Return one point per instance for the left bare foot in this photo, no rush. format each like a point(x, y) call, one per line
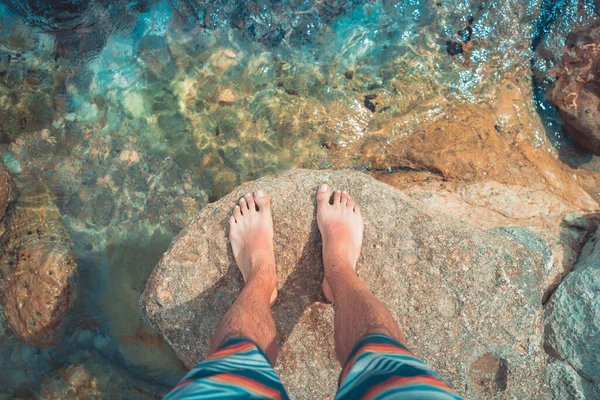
point(251, 238)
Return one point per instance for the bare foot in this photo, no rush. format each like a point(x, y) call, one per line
point(341, 227)
point(251, 238)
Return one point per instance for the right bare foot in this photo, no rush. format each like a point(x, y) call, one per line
point(341, 227)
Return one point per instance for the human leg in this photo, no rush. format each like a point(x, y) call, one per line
point(376, 364)
point(251, 238)
point(243, 348)
point(358, 312)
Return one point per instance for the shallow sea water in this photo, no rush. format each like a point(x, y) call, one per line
point(135, 115)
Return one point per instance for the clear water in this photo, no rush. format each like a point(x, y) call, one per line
point(135, 115)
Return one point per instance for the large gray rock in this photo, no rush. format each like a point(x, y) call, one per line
point(468, 301)
point(572, 328)
point(564, 382)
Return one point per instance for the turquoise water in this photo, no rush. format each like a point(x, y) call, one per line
point(135, 115)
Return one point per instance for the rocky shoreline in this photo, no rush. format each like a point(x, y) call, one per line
point(116, 134)
point(485, 166)
point(196, 280)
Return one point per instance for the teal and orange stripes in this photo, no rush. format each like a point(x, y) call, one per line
point(237, 370)
point(384, 348)
point(236, 348)
point(378, 368)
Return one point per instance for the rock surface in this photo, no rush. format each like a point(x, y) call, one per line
point(576, 93)
point(572, 328)
point(37, 268)
point(546, 222)
point(468, 301)
point(480, 166)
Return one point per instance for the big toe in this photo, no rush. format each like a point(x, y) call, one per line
point(262, 200)
point(323, 194)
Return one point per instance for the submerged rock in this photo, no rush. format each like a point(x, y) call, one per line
point(461, 295)
point(576, 93)
point(95, 377)
point(572, 328)
point(266, 22)
point(37, 268)
point(5, 191)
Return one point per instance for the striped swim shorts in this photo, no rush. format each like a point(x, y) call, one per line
point(379, 367)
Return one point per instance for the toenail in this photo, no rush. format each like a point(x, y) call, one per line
point(248, 195)
point(242, 199)
point(323, 188)
point(345, 192)
point(260, 193)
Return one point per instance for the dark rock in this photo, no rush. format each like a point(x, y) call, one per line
point(489, 374)
point(369, 104)
point(5, 191)
point(576, 93)
point(69, 15)
point(269, 22)
point(453, 48)
point(465, 34)
point(104, 208)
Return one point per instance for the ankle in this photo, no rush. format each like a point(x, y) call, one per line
point(342, 281)
point(261, 259)
point(262, 282)
point(338, 267)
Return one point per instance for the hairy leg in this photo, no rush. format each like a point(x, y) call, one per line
point(251, 237)
point(357, 311)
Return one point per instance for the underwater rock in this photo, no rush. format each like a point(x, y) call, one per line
point(37, 267)
point(576, 93)
point(453, 48)
point(94, 377)
point(5, 191)
point(458, 292)
point(131, 253)
point(51, 14)
point(266, 22)
point(70, 15)
point(572, 325)
point(223, 59)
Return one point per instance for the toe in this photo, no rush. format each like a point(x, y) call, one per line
point(232, 221)
point(344, 199)
point(337, 196)
point(323, 194)
point(243, 205)
point(237, 213)
point(350, 202)
point(262, 200)
point(250, 201)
